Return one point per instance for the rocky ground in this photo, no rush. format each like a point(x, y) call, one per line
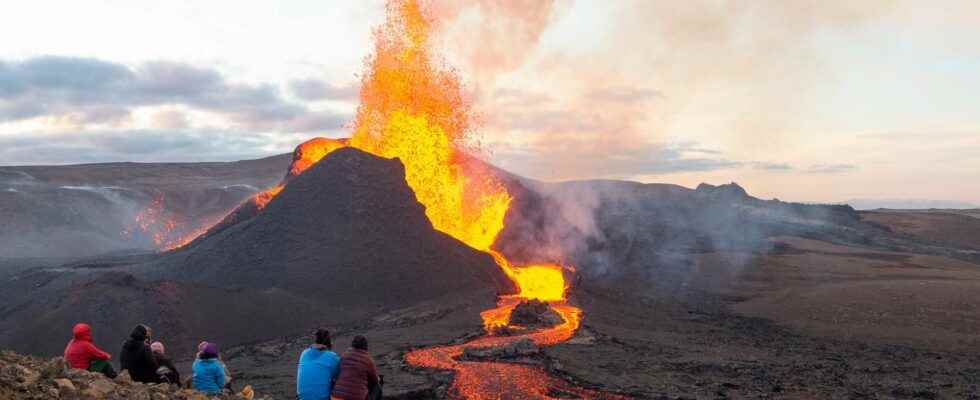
point(24, 377)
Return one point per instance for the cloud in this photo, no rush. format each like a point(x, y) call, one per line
point(654, 159)
point(624, 94)
point(492, 36)
point(770, 166)
point(143, 145)
point(88, 91)
point(170, 119)
point(315, 89)
point(830, 168)
point(639, 74)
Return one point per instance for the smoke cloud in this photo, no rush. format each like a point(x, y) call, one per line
point(655, 71)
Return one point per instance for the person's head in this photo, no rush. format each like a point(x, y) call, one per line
point(210, 351)
point(157, 347)
point(322, 337)
point(140, 333)
point(82, 331)
point(359, 342)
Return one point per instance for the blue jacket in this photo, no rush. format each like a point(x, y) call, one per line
point(316, 373)
point(209, 376)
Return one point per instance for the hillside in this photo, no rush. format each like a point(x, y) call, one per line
point(277, 273)
point(90, 209)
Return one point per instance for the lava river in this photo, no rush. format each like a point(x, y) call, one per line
point(500, 380)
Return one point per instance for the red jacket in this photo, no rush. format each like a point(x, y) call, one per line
point(357, 372)
point(80, 350)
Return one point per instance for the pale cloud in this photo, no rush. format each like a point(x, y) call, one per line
point(145, 145)
point(830, 168)
point(315, 89)
point(83, 91)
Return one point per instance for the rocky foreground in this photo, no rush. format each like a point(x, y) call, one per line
point(25, 377)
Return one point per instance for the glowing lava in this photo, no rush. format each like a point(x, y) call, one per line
point(162, 227)
point(305, 155)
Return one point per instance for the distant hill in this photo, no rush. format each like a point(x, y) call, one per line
point(90, 209)
point(908, 204)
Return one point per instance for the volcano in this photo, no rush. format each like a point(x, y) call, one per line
point(348, 226)
point(344, 240)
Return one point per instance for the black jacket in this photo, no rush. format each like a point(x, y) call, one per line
point(137, 358)
point(165, 364)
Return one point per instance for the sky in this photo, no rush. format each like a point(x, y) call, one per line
point(801, 100)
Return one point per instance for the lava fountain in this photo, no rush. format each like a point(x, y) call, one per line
point(413, 108)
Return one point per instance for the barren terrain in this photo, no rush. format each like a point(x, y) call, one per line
point(686, 293)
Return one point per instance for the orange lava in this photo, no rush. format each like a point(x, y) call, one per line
point(305, 155)
point(310, 152)
point(161, 226)
point(500, 380)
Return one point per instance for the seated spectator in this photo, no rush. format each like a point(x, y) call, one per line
point(81, 353)
point(209, 375)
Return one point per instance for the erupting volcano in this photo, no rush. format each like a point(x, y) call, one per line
point(413, 109)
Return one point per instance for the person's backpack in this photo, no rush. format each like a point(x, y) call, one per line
point(165, 375)
point(375, 392)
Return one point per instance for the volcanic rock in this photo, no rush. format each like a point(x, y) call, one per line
point(730, 191)
point(24, 377)
point(518, 348)
point(534, 313)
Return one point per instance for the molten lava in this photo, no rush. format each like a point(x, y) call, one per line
point(161, 226)
point(305, 155)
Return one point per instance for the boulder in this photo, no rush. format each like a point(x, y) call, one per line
point(534, 313)
point(518, 348)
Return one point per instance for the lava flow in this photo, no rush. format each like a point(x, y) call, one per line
point(412, 109)
point(162, 227)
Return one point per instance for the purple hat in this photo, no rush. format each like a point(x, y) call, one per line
point(210, 349)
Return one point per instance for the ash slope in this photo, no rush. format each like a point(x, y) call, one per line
point(84, 210)
point(343, 242)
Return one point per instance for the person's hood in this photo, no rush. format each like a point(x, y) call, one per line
point(82, 332)
point(211, 350)
point(139, 333)
point(137, 338)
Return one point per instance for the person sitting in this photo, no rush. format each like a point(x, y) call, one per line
point(224, 368)
point(318, 368)
point(81, 353)
point(209, 376)
point(167, 371)
point(136, 356)
point(358, 375)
